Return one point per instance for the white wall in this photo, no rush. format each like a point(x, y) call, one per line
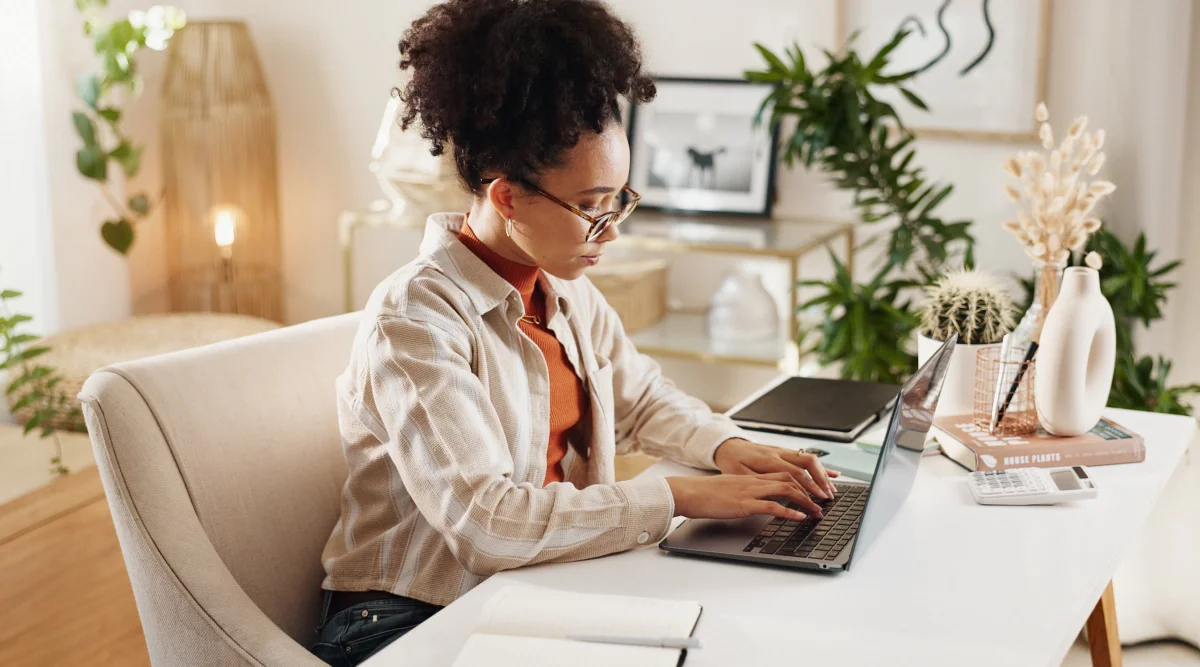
point(26, 261)
point(1185, 315)
point(330, 66)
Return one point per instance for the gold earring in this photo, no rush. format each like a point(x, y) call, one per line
point(508, 227)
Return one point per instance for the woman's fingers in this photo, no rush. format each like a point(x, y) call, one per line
point(812, 465)
point(792, 491)
point(772, 508)
point(805, 480)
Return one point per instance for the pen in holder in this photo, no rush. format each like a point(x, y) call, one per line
point(1004, 392)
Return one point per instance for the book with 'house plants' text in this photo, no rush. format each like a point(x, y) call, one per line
point(974, 448)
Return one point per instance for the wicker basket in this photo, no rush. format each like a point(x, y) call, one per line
point(636, 289)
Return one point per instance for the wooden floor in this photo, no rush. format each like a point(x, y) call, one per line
point(64, 595)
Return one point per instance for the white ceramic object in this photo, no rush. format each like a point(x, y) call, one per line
point(742, 310)
point(416, 183)
point(1076, 355)
point(958, 389)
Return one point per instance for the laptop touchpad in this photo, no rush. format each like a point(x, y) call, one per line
point(720, 534)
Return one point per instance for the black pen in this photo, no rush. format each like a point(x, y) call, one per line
point(1033, 348)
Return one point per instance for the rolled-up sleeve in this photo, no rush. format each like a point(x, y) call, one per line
point(653, 414)
point(447, 440)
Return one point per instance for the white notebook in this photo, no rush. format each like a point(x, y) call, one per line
point(527, 626)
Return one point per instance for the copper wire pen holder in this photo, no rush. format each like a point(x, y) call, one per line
point(1004, 388)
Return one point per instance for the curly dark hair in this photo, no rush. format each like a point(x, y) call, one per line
point(511, 84)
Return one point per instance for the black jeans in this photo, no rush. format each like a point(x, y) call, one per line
point(358, 632)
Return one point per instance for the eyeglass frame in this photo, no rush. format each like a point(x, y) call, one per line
point(599, 223)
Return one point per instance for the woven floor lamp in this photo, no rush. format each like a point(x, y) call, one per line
point(220, 174)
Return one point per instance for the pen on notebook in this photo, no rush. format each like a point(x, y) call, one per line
point(663, 642)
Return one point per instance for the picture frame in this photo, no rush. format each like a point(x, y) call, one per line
point(694, 148)
point(1002, 46)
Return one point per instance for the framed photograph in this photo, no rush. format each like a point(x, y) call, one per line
point(983, 62)
point(695, 148)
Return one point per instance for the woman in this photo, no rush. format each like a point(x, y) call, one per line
point(490, 385)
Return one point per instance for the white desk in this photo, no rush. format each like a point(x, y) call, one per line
point(948, 582)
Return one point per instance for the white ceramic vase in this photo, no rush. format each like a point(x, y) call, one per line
point(742, 310)
point(1076, 355)
point(958, 389)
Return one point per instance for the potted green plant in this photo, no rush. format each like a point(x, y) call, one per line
point(837, 124)
point(976, 308)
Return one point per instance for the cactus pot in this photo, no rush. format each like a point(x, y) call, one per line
point(958, 391)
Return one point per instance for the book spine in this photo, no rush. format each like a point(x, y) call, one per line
point(1052, 456)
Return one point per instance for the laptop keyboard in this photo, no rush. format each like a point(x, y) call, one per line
point(822, 539)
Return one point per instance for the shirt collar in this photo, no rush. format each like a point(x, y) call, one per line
point(483, 286)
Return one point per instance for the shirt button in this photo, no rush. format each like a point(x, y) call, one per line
point(644, 537)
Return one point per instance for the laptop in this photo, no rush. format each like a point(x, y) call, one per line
point(858, 512)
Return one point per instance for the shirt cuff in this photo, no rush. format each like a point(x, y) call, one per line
point(702, 446)
point(651, 508)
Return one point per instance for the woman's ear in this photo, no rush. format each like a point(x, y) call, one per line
point(501, 193)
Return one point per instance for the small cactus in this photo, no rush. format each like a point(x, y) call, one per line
point(968, 303)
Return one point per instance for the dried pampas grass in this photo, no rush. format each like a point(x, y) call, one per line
point(1054, 192)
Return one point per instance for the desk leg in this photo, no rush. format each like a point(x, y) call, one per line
point(1102, 632)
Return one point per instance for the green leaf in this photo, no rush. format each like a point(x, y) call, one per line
point(139, 204)
point(772, 59)
point(92, 162)
point(84, 127)
point(932, 203)
point(913, 99)
point(110, 114)
point(34, 422)
point(117, 66)
point(24, 355)
point(763, 77)
point(118, 234)
point(9, 294)
point(128, 156)
point(22, 403)
point(21, 339)
point(896, 78)
point(88, 88)
point(880, 58)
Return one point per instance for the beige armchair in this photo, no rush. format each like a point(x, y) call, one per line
point(223, 469)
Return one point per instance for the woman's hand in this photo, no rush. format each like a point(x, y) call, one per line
point(737, 496)
point(737, 456)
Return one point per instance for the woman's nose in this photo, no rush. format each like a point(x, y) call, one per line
point(609, 234)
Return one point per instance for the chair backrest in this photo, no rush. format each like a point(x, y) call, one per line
point(223, 467)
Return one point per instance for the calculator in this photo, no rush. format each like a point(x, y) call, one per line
point(1031, 486)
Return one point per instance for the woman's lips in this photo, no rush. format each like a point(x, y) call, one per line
point(592, 260)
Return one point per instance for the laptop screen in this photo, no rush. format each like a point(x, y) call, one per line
point(896, 469)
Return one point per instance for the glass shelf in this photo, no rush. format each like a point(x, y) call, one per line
point(784, 238)
point(683, 335)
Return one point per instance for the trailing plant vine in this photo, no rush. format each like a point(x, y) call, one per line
point(98, 124)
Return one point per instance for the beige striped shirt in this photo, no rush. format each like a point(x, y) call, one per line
point(444, 413)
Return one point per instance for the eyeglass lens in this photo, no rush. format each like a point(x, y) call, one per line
point(613, 218)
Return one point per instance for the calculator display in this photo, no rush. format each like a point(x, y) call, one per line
point(1065, 480)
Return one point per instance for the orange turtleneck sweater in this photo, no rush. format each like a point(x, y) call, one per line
point(568, 401)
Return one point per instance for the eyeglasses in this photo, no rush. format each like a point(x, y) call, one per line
point(600, 223)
